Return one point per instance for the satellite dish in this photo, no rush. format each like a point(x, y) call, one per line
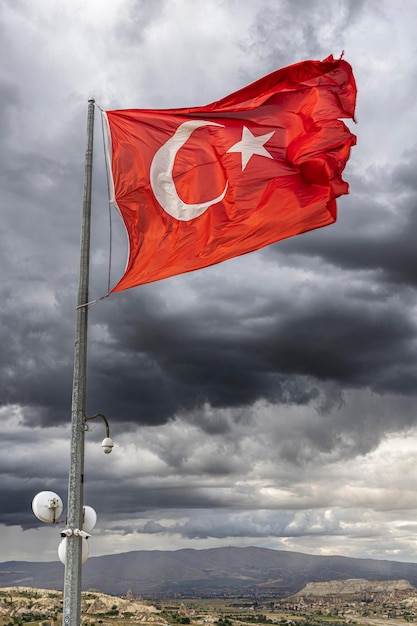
point(89, 519)
point(62, 551)
point(47, 506)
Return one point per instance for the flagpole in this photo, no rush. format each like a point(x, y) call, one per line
point(72, 582)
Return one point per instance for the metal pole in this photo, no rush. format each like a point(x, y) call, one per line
point(72, 583)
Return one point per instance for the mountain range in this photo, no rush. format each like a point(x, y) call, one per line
point(215, 572)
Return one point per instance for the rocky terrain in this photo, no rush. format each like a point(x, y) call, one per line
point(18, 603)
point(354, 586)
point(358, 602)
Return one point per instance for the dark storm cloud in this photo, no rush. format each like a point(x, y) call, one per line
point(35, 369)
point(40, 236)
point(155, 363)
point(14, 501)
point(261, 384)
point(379, 220)
point(168, 362)
point(299, 37)
point(9, 98)
point(16, 498)
point(30, 462)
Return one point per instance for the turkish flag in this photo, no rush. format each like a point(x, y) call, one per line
point(201, 185)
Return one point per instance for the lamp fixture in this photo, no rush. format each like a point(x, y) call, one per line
point(107, 443)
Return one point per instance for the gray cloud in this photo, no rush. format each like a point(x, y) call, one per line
point(258, 400)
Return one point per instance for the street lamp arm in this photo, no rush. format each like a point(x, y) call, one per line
point(107, 443)
point(103, 417)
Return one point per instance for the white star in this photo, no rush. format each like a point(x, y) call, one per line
point(250, 145)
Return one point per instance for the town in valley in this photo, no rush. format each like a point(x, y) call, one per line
point(354, 601)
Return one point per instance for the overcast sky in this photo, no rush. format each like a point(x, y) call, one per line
point(269, 400)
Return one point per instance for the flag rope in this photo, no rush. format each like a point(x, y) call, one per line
point(109, 202)
point(92, 302)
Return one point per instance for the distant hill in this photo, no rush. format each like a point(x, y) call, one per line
point(216, 572)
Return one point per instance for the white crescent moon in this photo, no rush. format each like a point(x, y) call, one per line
point(162, 183)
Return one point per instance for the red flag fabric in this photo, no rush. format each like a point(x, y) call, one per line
point(197, 186)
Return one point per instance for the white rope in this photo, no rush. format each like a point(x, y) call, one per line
point(92, 302)
point(109, 202)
